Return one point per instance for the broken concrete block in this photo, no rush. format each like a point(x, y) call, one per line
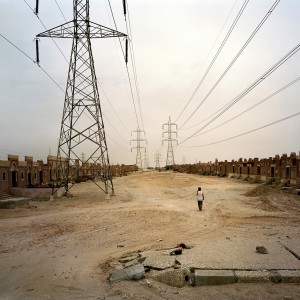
point(177, 277)
point(275, 276)
point(213, 277)
point(289, 276)
point(135, 272)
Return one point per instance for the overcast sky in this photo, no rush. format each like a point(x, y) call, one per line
point(174, 43)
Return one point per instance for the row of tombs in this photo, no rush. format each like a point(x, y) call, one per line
point(280, 168)
point(15, 173)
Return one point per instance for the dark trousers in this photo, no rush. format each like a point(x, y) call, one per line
point(200, 204)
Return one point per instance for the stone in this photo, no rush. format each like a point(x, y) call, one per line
point(261, 250)
point(184, 246)
point(176, 251)
point(135, 272)
point(213, 277)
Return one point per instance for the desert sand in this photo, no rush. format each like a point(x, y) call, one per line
point(66, 249)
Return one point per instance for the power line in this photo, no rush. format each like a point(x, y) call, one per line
point(33, 62)
point(253, 106)
point(235, 58)
point(216, 55)
point(60, 10)
point(249, 88)
point(130, 84)
point(211, 48)
point(247, 132)
point(134, 64)
point(46, 29)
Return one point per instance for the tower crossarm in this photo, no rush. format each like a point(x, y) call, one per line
point(83, 29)
point(170, 132)
point(170, 140)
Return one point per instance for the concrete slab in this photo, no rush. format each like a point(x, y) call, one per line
point(238, 255)
point(157, 260)
point(252, 276)
point(214, 277)
point(293, 245)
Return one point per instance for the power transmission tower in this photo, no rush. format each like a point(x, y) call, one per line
point(138, 141)
point(82, 127)
point(157, 160)
point(145, 159)
point(170, 133)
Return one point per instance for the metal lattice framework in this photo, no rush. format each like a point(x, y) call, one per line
point(138, 141)
point(170, 133)
point(82, 127)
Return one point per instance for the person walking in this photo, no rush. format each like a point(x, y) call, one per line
point(200, 198)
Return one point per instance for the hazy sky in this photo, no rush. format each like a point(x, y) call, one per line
point(174, 43)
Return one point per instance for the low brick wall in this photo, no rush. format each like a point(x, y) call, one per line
point(34, 193)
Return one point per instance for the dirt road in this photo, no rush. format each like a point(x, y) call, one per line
point(66, 249)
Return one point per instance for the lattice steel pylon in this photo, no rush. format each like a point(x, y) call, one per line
point(82, 127)
point(157, 160)
point(138, 141)
point(170, 140)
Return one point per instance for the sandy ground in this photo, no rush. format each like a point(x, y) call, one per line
point(67, 248)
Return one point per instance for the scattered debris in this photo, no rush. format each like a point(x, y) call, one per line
point(135, 272)
point(261, 250)
point(184, 246)
point(177, 251)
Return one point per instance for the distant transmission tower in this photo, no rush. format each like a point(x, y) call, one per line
point(82, 127)
point(170, 133)
point(157, 160)
point(138, 141)
point(145, 159)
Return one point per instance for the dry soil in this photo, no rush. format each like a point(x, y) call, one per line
point(67, 248)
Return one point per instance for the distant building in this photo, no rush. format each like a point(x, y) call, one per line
point(29, 173)
point(280, 168)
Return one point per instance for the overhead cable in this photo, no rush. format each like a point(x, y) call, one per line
point(247, 132)
point(213, 45)
point(128, 26)
point(60, 10)
point(130, 84)
point(250, 88)
point(216, 55)
point(33, 62)
point(253, 106)
point(234, 59)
